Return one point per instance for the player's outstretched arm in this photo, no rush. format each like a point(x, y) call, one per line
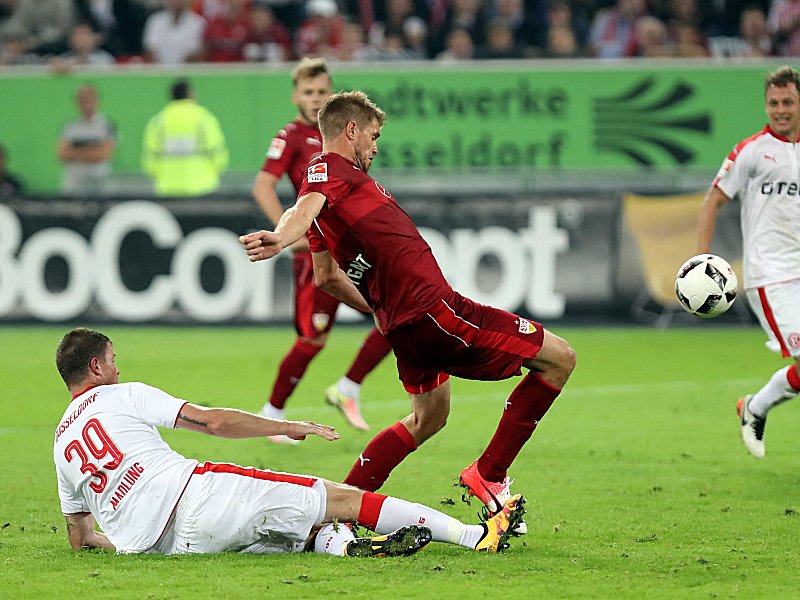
point(232, 423)
point(293, 225)
point(82, 534)
point(707, 218)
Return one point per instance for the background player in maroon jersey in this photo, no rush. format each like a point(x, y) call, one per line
point(368, 253)
point(315, 310)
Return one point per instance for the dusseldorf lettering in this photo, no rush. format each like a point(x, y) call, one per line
point(523, 276)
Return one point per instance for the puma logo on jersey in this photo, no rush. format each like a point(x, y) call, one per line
point(771, 157)
point(313, 141)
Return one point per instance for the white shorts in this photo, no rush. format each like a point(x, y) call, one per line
point(777, 307)
point(228, 508)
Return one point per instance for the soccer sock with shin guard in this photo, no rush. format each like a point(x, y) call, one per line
point(782, 386)
point(524, 408)
point(291, 370)
point(382, 454)
point(385, 514)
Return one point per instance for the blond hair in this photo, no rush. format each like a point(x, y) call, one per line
point(308, 68)
point(343, 107)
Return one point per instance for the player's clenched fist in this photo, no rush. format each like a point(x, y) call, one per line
point(261, 245)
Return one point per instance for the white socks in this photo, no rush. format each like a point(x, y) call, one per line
point(271, 412)
point(776, 391)
point(332, 539)
point(348, 387)
point(396, 513)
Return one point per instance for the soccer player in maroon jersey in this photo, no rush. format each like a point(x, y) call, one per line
point(315, 310)
point(367, 252)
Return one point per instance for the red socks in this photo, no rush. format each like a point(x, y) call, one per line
point(793, 378)
point(382, 454)
point(370, 510)
point(373, 350)
point(291, 370)
point(525, 407)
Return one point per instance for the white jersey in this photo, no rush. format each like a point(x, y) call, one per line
point(111, 461)
point(764, 171)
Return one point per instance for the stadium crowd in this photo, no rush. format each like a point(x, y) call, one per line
point(69, 33)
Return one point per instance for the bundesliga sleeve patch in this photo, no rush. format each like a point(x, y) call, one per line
point(318, 173)
point(276, 148)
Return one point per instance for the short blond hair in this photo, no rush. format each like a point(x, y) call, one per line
point(343, 107)
point(308, 68)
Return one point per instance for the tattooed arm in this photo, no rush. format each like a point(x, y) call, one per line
point(82, 534)
point(231, 423)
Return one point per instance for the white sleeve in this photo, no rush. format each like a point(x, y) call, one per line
point(733, 175)
point(154, 406)
point(71, 501)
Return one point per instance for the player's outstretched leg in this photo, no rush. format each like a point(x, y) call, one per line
point(387, 515)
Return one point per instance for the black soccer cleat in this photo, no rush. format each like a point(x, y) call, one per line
point(403, 542)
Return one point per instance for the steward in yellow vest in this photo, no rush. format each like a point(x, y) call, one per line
point(184, 149)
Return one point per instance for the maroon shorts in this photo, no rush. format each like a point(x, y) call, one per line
point(465, 339)
point(314, 310)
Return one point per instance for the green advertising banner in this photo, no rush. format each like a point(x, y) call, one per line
point(631, 116)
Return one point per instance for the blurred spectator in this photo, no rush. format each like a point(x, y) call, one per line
point(226, 34)
point(85, 147)
point(613, 29)
point(690, 42)
point(14, 51)
point(353, 48)
point(41, 25)
point(119, 23)
point(784, 21)
point(289, 12)
point(82, 51)
point(174, 35)
point(393, 48)
point(560, 16)
point(755, 39)
point(10, 184)
point(321, 33)
point(396, 13)
point(268, 40)
point(500, 42)
point(727, 15)
point(561, 43)
point(468, 16)
point(525, 23)
point(458, 46)
point(651, 39)
point(184, 150)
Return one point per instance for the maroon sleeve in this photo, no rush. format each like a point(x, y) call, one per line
point(316, 243)
point(279, 155)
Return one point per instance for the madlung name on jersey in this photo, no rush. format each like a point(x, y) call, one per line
point(130, 478)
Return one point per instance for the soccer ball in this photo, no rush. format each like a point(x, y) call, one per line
point(706, 285)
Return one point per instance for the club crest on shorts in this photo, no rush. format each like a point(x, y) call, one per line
point(318, 173)
point(320, 321)
point(525, 326)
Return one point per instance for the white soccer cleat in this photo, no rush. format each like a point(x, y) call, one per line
point(752, 427)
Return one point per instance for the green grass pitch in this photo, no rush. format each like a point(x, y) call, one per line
point(637, 483)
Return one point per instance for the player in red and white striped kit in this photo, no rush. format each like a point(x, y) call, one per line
point(368, 253)
point(763, 171)
point(113, 467)
point(315, 310)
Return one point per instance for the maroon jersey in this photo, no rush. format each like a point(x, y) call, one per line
point(374, 242)
point(290, 151)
